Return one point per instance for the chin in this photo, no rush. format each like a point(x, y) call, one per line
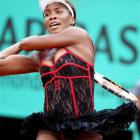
point(55, 31)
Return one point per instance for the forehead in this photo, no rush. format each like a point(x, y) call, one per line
point(54, 6)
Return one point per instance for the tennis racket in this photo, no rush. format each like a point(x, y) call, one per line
point(114, 88)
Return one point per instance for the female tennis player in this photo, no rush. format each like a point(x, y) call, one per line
point(65, 60)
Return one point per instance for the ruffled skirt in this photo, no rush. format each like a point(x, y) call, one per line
point(103, 122)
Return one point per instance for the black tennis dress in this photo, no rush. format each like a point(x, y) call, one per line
point(69, 102)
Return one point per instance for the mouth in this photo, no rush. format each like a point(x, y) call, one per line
point(54, 24)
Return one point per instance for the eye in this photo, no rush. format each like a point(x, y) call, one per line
point(59, 11)
point(46, 14)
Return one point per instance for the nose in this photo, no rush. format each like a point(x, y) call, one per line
point(52, 17)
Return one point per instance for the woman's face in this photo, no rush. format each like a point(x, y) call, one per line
point(57, 18)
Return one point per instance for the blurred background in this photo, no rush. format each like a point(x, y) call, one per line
point(114, 26)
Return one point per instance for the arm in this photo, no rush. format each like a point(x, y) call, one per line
point(19, 64)
point(68, 37)
point(14, 49)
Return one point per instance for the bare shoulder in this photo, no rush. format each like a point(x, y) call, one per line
point(76, 30)
point(80, 35)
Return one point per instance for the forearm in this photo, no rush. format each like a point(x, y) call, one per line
point(67, 37)
point(30, 43)
point(13, 49)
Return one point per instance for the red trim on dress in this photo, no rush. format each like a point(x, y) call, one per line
point(73, 97)
point(64, 65)
point(65, 77)
point(55, 61)
point(69, 52)
point(58, 85)
point(91, 89)
point(79, 57)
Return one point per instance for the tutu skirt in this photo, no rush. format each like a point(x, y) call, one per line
point(103, 122)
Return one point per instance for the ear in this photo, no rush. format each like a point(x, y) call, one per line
point(72, 21)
